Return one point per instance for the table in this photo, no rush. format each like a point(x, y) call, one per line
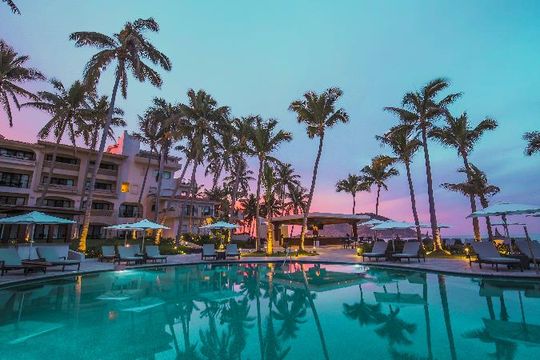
point(220, 254)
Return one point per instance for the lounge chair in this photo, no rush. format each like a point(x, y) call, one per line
point(523, 247)
point(378, 251)
point(208, 251)
point(487, 253)
point(107, 254)
point(50, 257)
point(232, 251)
point(411, 250)
point(152, 254)
point(10, 260)
point(128, 254)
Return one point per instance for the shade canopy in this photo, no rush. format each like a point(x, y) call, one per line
point(36, 217)
point(508, 224)
point(393, 225)
point(146, 225)
point(219, 225)
point(317, 218)
point(440, 226)
point(372, 222)
point(505, 208)
point(121, 227)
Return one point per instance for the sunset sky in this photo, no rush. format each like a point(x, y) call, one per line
point(257, 57)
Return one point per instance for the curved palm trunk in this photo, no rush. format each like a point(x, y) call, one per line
point(311, 191)
point(93, 148)
point(192, 194)
point(106, 127)
point(484, 202)
point(51, 167)
point(257, 208)
point(315, 314)
point(476, 224)
point(377, 202)
point(160, 181)
point(413, 200)
point(446, 313)
point(269, 233)
point(431, 198)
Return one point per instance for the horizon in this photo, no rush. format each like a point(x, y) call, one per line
point(257, 59)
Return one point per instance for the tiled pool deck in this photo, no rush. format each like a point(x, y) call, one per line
point(326, 254)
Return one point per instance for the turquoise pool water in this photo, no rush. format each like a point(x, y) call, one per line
point(269, 311)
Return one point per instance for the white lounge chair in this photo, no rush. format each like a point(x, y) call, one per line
point(10, 260)
point(49, 256)
point(107, 253)
point(411, 250)
point(523, 247)
point(128, 254)
point(378, 251)
point(153, 254)
point(487, 253)
point(208, 251)
point(232, 251)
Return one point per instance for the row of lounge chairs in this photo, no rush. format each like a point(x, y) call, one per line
point(209, 252)
point(411, 250)
point(48, 257)
point(131, 254)
point(487, 253)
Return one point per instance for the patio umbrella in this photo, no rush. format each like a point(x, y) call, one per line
point(144, 225)
point(503, 209)
point(219, 225)
point(121, 227)
point(372, 223)
point(393, 225)
point(35, 218)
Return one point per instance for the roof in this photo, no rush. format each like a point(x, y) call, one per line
point(321, 218)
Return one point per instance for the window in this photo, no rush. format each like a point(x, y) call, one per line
point(58, 203)
point(102, 206)
point(99, 185)
point(60, 181)
point(104, 165)
point(125, 187)
point(63, 159)
point(18, 154)
point(187, 212)
point(12, 200)
point(14, 180)
point(166, 175)
point(128, 210)
point(206, 211)
point(95, 231)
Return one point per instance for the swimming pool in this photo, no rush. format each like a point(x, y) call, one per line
point(270, 311)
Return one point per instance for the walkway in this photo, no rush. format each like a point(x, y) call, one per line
point(331, 254)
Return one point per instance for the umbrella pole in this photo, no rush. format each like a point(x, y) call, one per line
point(32, 227)
point(529, 243)
point(505, 224)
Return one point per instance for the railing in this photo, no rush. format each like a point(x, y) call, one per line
point(101, 212)
point(101, 171)
point(63, 188)
point(61, 165)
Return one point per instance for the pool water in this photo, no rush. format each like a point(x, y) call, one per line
point(270, 311)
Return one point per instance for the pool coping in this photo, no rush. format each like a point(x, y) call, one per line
point(408, 267)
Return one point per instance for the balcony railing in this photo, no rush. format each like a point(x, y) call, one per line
point(101, 171)
point(101, 212)
point(62, 188)
point(61, 165)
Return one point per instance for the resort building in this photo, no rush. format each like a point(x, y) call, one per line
point(23, 173)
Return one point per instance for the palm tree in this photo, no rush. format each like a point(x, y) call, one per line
point(271, 204)
point(446, 315)
point(205, 119)
point(219, 195)
point(12, 6)
point(67, 109)
point(285, 178)
point(291, 311)
point(129, 48)
point(239, 178)
point(420, 108)
point(476, 185)
point(533, 142)
point(249, 209)
point(378, 173)
point(251, 288)
point(95, 118)
point(351, 185)
point(395, 329)
point(14, 72)
point(459, 133)
point(404, 144)
point(318, 112)
point(263, 141)
point(298, 198)
point(363, 312)
point(236, 315)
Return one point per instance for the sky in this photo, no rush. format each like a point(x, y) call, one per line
point(257, 57)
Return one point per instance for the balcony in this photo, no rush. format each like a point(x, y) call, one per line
point(101, 212)
point(61, 165)
point(71, 189)
point(106, 172)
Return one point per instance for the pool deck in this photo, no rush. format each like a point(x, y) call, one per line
point(330, 254)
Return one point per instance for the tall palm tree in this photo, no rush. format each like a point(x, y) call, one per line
point(12, 6)
point(318, 112)
point(285, 178)
point(271, 203)
point(476, 185)
point(377, 173)
point(533, 142)
point(129, 49)
point(420, 108)
point(459, 134)
point(249, 209)
point(239, 178)
point(95, 118)
point(13, 73)
point(205, 119)
point(404, 143)
point(351, 185)
point(263, 141)
point(67, 109)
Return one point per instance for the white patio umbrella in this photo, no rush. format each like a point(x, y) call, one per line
point(503, 209)
point(393, 225)
point(219, 225)
point(144, 225)
point(35, 218)
point(122, 227)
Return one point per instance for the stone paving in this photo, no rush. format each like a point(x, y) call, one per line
point(326, 254)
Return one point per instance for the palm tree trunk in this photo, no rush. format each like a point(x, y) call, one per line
point(426, 317)
point(413, 200)
point(269, 233)
point(476, 225)
point(377, 202)
point(257, 208)
point(52, 166)
point(192, 194)
point(83, 194)
point(484, 202)
point(160, 181)
point(236, 186)
point(139, 201)
point(311, 191)
point(353, 203)
point(86, 221)
point(431, 198)
point(446, 313)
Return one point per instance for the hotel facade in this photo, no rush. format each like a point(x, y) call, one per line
point(23, 173)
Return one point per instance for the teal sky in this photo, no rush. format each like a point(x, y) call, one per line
point(257, 57)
